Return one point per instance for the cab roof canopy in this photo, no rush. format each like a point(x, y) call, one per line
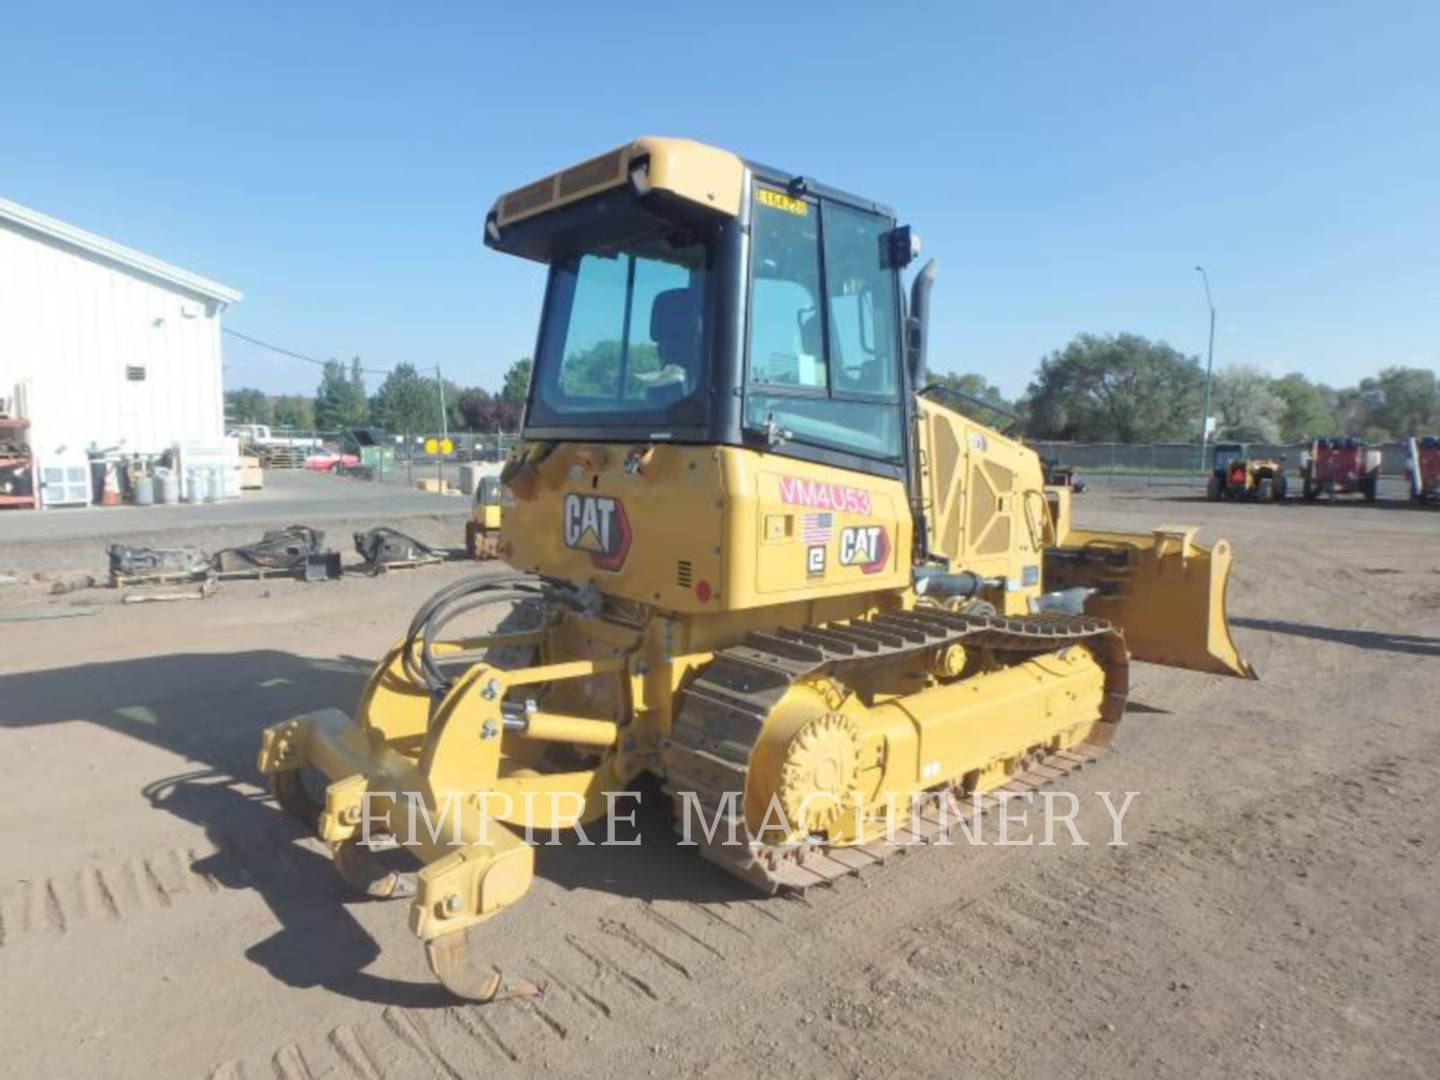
point(631, 191)
point(652, 185)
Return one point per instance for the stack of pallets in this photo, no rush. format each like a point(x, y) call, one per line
point(283, 457)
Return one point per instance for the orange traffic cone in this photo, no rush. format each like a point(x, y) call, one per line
point(110, 494)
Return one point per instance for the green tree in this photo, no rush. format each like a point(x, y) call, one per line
point(340, 399)
point(1401, 402)
point(1355, 411)
point(247, 406)
point(1245, 405)
point(517, 381)
point(295, 412)
point(1116, 387)
point(1308, 408)
point(595, 372)
point(406, 403)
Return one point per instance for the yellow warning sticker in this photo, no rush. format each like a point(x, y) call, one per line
point(766, 197)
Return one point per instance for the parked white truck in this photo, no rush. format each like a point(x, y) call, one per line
point(261, 435)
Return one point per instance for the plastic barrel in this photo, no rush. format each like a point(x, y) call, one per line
point(212, 484)
point(143, 491)
point(167, 486)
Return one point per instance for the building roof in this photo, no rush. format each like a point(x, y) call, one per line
point(88, 242)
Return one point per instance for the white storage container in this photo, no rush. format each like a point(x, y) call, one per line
point(222, 456)
point(65, 481)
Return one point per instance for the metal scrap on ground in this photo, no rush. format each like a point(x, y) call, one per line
point(383, 547)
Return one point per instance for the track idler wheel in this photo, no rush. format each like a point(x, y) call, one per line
point(357, 866)
point(455, 967)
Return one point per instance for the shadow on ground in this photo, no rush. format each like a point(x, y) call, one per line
point(1380, 640)
point(211, 709)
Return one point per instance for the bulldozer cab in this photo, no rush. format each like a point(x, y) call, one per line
point(488, 493)
point(697, 298)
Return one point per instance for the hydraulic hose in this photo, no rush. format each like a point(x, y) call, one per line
point(447, 604)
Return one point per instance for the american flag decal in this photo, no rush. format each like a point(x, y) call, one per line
point(815, 528)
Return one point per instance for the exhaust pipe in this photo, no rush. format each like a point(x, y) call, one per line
point(917, 324)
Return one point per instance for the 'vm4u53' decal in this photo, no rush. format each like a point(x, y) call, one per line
point(865, 546)
point(597, 525)
point(820, 496)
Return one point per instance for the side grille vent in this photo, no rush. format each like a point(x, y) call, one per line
point(684, 574)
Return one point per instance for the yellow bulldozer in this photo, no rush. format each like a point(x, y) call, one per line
point(482, 531)
point(756, 558)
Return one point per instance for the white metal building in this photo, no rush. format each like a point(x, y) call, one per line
point(104, 346)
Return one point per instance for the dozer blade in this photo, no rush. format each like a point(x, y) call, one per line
point(1166, 592)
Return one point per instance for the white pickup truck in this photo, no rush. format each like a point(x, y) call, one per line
point(260, 435)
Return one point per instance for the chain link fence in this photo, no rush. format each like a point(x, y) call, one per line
point(407, 459)
point(429, 459)
point(420, 459)
point(1182, 463)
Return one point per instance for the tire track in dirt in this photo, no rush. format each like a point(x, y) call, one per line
point(1086, 927)
point(128, 888)
point(1102, 914)
point(113, 892)
point(1013, 917)
point(632, 962)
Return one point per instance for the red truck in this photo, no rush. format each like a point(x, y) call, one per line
point(1424, 468)
point(1340, 466)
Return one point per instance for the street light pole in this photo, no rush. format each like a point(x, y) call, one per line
point(444, 434)
point(1209, 368)
point(444, 422)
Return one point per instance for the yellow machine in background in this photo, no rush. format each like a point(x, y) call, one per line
point(1235, 474)
point(482, 531)
point(756, 558)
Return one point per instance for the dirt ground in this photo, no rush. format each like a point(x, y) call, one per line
point(1276, 911)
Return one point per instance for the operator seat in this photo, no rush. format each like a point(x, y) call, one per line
point(675, 329)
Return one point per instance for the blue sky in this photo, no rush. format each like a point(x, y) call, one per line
point(1067, 163)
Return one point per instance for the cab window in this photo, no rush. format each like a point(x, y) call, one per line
point(823, 327)
point(623, 337)
point(785, 343)
point(860, 295)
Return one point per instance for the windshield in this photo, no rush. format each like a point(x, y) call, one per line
point(623, 338)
